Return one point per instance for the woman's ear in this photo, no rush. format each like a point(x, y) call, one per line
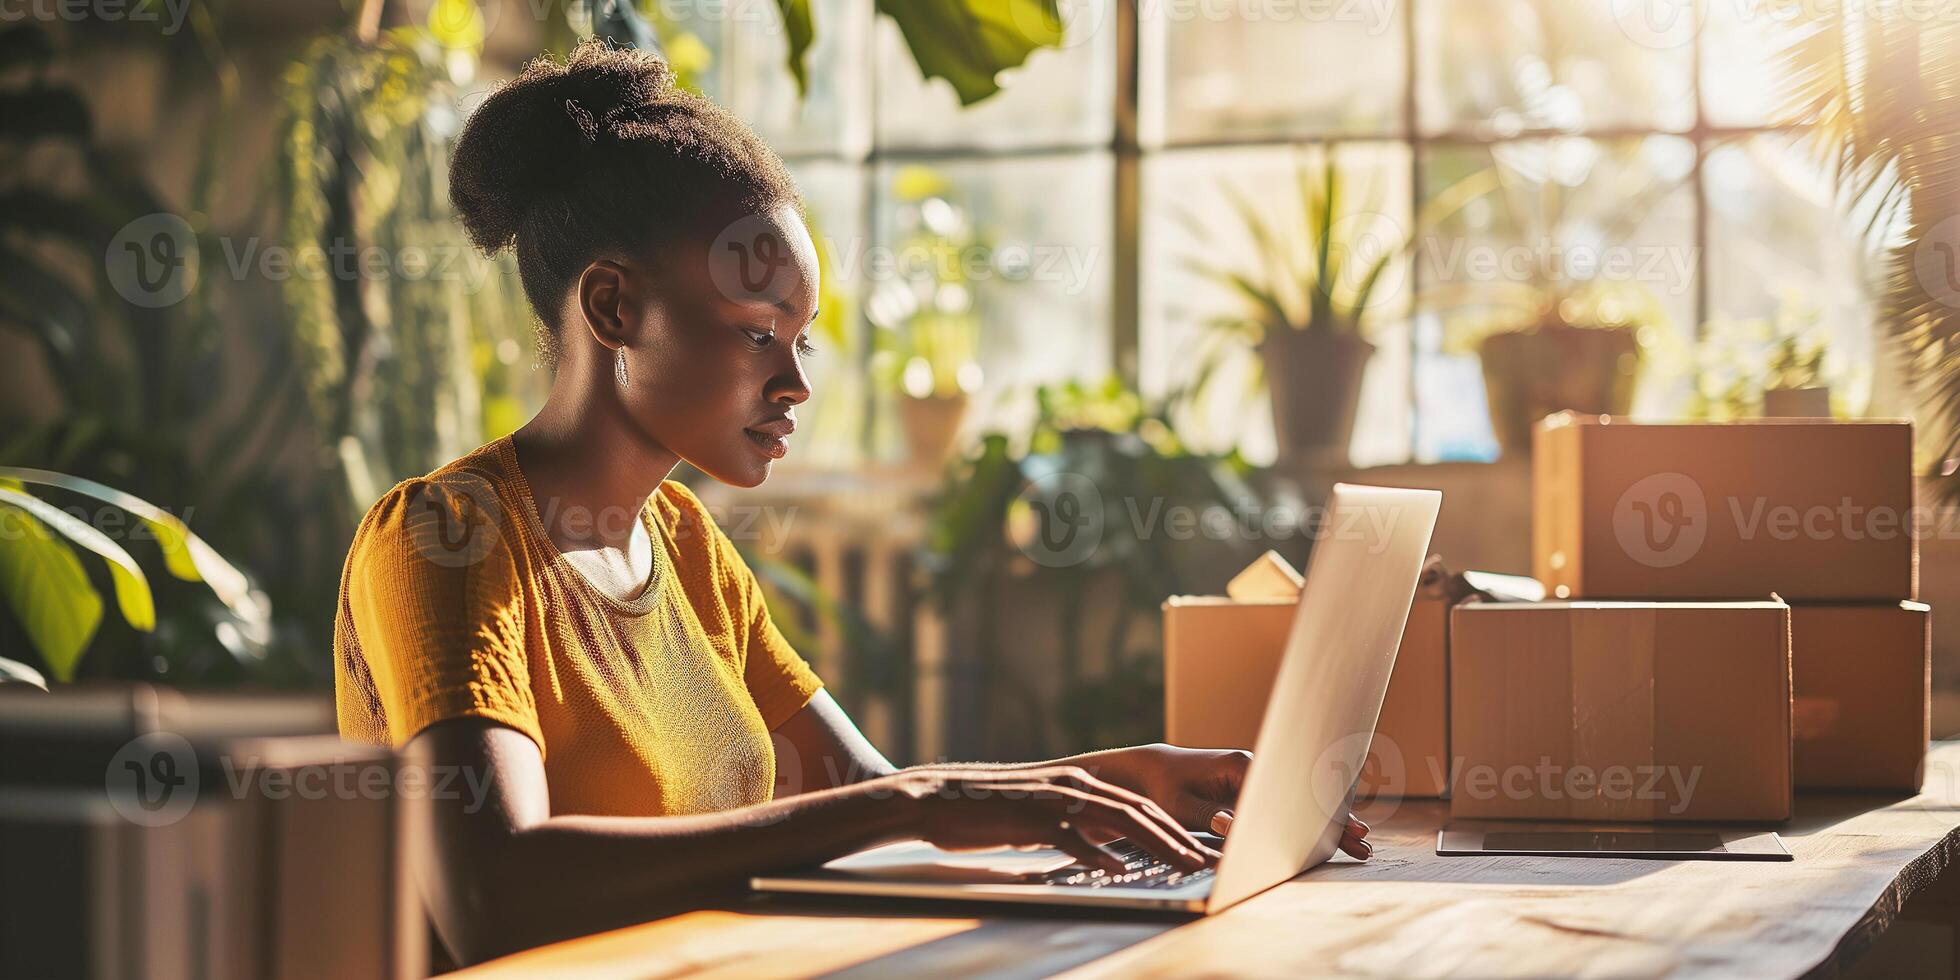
point(608, 303)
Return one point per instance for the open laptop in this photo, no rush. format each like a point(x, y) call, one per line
point(1360, 582)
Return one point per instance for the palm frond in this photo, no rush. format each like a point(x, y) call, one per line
point(1876, 88)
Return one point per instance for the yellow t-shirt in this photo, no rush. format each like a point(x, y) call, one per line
point(454, 603)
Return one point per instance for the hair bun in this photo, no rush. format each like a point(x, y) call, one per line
point(505, 161)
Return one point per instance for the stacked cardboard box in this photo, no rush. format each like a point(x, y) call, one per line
point(1861, 675)
point(1619, 711)
point(1748, 699)
point(1222, 652)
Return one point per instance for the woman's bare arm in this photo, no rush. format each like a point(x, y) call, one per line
point(508, 874)
point(820, 747)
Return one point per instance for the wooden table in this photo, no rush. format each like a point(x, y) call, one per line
point(1406, 913)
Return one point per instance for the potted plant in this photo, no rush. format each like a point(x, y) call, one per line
point(1559, 348)
point(1303, 308)
point(1773, 368)
point(1565, 335)
point(1797, 388)
point(927, 318)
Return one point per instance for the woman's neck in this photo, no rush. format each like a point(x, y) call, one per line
point(590, 471)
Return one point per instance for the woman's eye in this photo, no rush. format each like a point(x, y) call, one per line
point(805, 348)
point(760, 339)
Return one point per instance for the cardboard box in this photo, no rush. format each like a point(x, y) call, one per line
point(1221, 655)
point(1804, 509)
point(1621, 711)
point(1862, 680)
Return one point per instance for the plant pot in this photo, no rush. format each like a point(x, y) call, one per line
point(1797, 403)
point(930, 425)
point(1314, 377)
point(1529, 374)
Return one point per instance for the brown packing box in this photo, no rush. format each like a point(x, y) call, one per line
point(1862, 679)
point(1804, 509)
point(1220, 658)
point(1620, 711)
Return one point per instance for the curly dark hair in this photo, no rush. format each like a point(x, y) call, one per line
point(602, 154)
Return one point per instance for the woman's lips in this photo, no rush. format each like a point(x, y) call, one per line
point(772, 437)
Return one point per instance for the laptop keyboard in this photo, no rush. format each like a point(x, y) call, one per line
point(1140, 870)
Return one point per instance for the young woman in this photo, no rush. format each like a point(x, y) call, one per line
point(555, 621)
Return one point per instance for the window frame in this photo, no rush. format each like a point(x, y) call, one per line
point(1128, 152)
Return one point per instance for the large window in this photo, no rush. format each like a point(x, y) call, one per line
point(1633, 146)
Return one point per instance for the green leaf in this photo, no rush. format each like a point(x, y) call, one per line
point(969, 42)
point(132, 588)
point(799, 29)
point(184, 554)
point(48, 591)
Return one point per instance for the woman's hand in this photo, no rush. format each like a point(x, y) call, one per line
point(1060, 806)
point(1198, 787)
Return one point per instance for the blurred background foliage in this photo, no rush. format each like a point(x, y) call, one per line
point(276, 442)
point(1136, 206)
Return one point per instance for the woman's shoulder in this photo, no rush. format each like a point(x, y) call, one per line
point(454, 516)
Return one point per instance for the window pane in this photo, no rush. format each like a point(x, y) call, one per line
point(1215, 71)
point(1191, 216)
point(1591, 232)
point(1502, 66)
point(1779, 251)
point(748, 71)
point(834, 200)
point(1741, 74)
point(1060, 97)
point(999, 264)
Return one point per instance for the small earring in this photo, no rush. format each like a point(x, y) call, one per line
point(619, 365)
